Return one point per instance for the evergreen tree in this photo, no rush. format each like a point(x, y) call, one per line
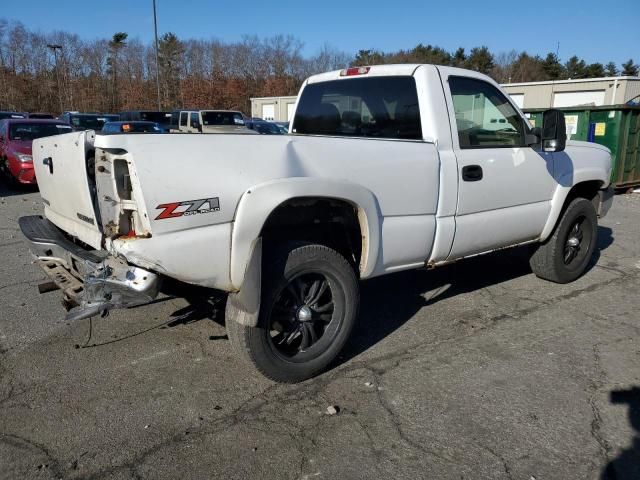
point(117, 43)
point(611, 70)
point(459, 58)
point(629, 69)
point(552, 67)
point(575, 68)
point(595, 70)
point(368, 57)
point(429, 54)
point(170, 52)
point(480, 59)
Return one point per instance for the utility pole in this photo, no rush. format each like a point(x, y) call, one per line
point(55, 49)
point(155, 27)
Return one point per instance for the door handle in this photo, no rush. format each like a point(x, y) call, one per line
point(472, 173)
point(49, 162)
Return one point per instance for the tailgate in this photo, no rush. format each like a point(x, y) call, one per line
point(60, 163)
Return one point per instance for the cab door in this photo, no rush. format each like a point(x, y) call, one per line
point(183, 124)
point(505, 186)
point(194, 121)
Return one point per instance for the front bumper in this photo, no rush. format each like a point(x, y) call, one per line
point(23, 172)
point(92, 281)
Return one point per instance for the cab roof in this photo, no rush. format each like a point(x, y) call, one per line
point(401, 69)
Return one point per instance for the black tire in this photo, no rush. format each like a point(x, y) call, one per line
point(298, 335)
point(564, 256)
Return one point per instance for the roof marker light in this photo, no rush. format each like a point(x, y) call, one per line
point(351, 71)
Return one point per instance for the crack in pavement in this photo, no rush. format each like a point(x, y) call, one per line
point(19, 442)
point(596, 422)
point(505, 465)
point(17, 242)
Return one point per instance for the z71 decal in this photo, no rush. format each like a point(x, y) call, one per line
point(194, 207)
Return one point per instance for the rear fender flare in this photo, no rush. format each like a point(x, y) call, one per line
point(258, 202)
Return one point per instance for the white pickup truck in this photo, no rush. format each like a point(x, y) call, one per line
point(385, 168)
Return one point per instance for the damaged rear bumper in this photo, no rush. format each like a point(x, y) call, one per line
point(93, 282)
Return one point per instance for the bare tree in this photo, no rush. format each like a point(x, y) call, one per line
point(119, 73)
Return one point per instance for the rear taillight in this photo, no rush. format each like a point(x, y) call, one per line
point(351, 71)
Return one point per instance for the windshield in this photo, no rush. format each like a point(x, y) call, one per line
point(89, 122)
point(158, 117)
point(31, 131)
point(102, 119)
point(222, 118)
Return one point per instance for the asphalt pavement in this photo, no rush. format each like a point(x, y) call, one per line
point(477, 370)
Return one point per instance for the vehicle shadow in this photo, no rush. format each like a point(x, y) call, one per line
point(626, 466)
point(388, 302)
point(11, 190)
point(202, 303)
point(605, 240)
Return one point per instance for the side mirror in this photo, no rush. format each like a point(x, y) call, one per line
point(553, 134)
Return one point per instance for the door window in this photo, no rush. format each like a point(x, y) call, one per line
point(194, 119)
point(183, 119)
point(484, 116)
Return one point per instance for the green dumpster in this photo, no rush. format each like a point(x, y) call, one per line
point(617, 127)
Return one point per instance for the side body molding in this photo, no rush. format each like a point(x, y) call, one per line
point(258, 202)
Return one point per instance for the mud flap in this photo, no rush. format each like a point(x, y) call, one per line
point(245, 304)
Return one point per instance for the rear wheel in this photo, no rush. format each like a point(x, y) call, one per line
point(566, 254)
point(308, 309)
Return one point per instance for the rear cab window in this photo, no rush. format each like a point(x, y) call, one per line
point(222, 118)
point(373, 107)
point(88, 122)
point(31, 131)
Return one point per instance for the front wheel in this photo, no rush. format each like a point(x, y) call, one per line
point(308, 309)
point(564, 256)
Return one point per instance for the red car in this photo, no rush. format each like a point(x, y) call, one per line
point(16, 137)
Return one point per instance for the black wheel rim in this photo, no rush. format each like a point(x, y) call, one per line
point(577, 243)
point(303, 318)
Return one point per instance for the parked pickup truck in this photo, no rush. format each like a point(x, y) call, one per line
point(211, 121)
point(386, 168)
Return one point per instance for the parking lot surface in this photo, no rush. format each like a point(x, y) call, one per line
point(475, 370)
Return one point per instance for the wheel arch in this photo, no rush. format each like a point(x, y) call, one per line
point(259, 202)
point(587, 188)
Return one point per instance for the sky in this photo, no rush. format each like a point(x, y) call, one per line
point(595, 30)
